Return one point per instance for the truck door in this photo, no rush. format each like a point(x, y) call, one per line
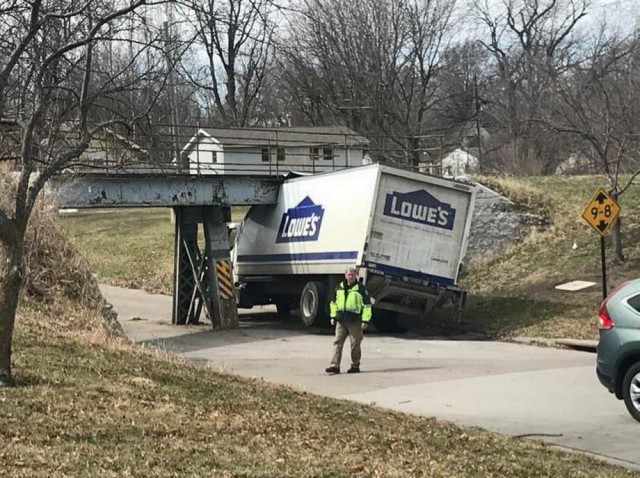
point(418, 228)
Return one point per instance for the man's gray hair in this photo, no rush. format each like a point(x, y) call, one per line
point(351, 269)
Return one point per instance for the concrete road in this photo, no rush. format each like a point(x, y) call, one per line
point(543, 393)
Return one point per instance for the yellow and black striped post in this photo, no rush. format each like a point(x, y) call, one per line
point(221, 286)
point(226, 297)
point(203, 274)
point(225, 281)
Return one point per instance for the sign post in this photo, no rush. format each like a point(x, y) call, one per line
point(600, 213)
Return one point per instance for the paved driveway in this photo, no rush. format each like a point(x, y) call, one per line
point(543, 393)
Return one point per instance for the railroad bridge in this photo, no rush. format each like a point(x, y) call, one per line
point(202, 272)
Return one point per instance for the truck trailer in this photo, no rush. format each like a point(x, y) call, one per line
point(405, 232)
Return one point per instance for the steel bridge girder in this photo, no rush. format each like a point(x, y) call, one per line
point(95, 191)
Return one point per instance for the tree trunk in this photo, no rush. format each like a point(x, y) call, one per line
point(10, 282)
point(414, 153)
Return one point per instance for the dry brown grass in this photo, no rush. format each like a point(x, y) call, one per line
point(58, 278)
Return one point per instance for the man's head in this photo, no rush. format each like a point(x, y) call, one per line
point(351, 275)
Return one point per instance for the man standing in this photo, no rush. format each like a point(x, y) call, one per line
point(351, 309)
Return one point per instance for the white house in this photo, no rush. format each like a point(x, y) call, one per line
point(273, 150)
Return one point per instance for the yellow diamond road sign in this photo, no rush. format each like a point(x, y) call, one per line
point(601, 211)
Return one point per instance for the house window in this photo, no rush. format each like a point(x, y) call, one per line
point(280, 154)
point(265, 155)
point(328, 153)
point(315, 154)
point(203, 154)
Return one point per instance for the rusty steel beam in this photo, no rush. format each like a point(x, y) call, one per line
point(102, 190)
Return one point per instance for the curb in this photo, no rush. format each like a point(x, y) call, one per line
point(575, 344)
point(585, 345)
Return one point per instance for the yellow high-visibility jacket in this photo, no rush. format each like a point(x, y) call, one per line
point(350, 302)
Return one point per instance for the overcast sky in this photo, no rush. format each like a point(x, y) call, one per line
point(621, 13)
point(622, 16)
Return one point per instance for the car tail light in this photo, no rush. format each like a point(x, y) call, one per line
point(604, 320)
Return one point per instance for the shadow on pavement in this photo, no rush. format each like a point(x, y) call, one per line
point(253, 328)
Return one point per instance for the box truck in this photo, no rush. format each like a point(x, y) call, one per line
point(405, 232)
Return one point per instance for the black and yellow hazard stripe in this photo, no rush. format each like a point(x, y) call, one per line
point(225, 282)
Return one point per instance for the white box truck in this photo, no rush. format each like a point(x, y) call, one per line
point(405, 232)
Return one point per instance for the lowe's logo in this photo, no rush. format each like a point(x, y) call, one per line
point(301, 223)
point(420, 206)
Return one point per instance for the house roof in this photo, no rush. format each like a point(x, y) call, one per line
point(126, 141)
point(303, 136)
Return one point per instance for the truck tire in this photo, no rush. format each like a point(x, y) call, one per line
point(312, 303)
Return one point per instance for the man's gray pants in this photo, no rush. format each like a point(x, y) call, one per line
point(354, 331)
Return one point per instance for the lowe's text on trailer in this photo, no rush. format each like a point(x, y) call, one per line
point(301, 223)
point(421, 207)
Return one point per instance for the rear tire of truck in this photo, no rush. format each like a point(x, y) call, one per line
point(312, 304)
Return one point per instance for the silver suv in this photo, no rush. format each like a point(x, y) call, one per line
point(618, 362)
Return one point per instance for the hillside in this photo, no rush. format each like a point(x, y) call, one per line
point(513, 293)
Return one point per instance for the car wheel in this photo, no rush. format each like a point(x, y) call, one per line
point(312, 306)
point(631, 390)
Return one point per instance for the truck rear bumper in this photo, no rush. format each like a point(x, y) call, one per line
point(411, 298)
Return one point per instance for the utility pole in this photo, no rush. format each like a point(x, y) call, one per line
point(477, 116)
point(169, 47)
point(352, 126)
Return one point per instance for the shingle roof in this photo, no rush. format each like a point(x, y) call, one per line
point(302, 136)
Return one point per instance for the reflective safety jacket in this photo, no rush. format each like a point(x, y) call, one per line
point(351, 303)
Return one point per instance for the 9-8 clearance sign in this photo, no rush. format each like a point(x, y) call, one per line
point(601, 211)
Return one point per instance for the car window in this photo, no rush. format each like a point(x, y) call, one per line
point(635, 302)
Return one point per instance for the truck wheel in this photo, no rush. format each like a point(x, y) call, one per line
point(631, 390)
point(312, 303)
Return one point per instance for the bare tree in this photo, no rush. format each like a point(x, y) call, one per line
point(56, 90)
point(236, 37)
point(530, 41)
point(600, 106)
point(370, 64)
point(463, 73)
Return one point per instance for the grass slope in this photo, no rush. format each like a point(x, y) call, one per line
point(513, 293)
point(127, 247)
point(88, 404)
